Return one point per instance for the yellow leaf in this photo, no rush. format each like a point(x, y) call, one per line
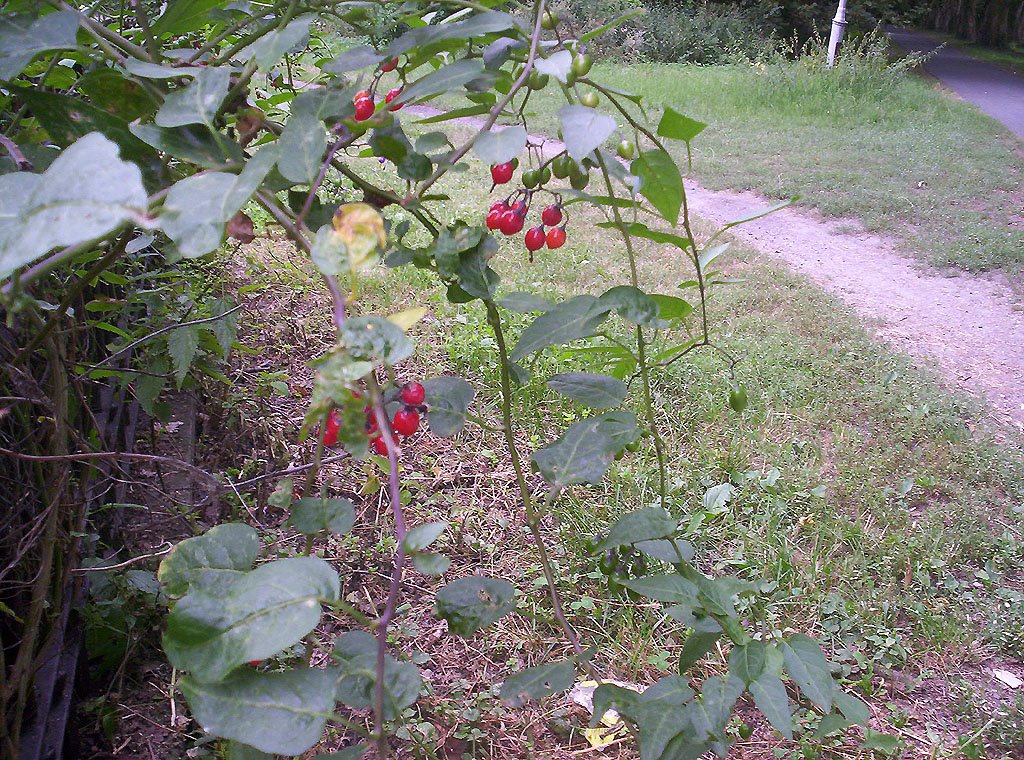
point(361, 228)
point(409, 317)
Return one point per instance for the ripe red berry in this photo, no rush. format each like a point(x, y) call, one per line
point(364, 109)
point(371, 424)
point(502, 173)
point(551, 216)
point(331, 428)
point(511, 222)
point(494, 218)
point(519, 206)
point(361, 95)
point(380, 447)
point(406, 421)
point(535, 239)
point(413, 394)
point(392, 94)
point(389, 65)
point(556, 237)
point(254, 663)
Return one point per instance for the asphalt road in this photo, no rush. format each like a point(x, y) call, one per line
point(996, 91)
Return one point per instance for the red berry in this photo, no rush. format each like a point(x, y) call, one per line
point(511, 222)
point(362, 95)
point(254, 663)
point(364, 109)
point(556, 237)
point(380, 447)
point(519, 206)
point(413, 394)
point(389, 65)
point(535, 239)
point(371, 424)
point(392, 94)
point(551, 216)
point(331, 428)
point(406, 421)
point(502, 173)
point(494, 219)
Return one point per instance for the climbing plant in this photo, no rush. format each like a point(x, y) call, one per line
point(140, 135)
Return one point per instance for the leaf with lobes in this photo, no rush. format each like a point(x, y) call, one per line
point(584, 129)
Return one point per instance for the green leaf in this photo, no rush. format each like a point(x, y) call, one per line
point(182, 344)
point(270, 48)
point(757, 214)
point(672, 588)
point(446, 79)
point(23, 37)
point(87, 192)
point(570, 320)
point(557, 65)
point(353, 59)
point(192, 144)
point(499, 145)
point(114, 93)
point(669, 690)
point(429, 563)
point(632, 304)
point(184, 16)
point(678, 127)
point(469, 604)
point(68, 119)
point(280, 713)
point(349, 753)
point(669, 550)
point(608, 696)
point(447, 398)
point(304, 140)
point(710, 714)
point(538, 682)
point(197, 208)
point(375, 339)
point(259, 614)
point(357, 653)
point(582, 454)
point(239, 751)
point(422, 536)
point(717, 497)
point(524, 303)
point(887, 744)
point(584, 130)
point(747, 661)
point(457, 113)
point(658, 725)
point(198, 102)
point(147, 70)
point(638, 229)
point(475, 276)
point(830, 724)
point(697, 644)
point(662, 183)
point(311, 515)
point(807, 666)
point(770, 696)
point(231, 546)
point(852, 707)
point(590, 389)
point(640, 525)
point(471, 28)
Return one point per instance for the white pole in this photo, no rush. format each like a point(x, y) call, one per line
point(835, 39)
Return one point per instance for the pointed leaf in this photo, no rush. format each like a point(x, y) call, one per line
point(697, 644)
point(570, 320)
point(664, 588)
point(270, 48)
point(632, 304)
point(662, 183)
point(640, 525)
point(678, 127)
point(182, 344)
point(448, 78)
point(475, 26)
point(23, 37)
point(184, 16)
point(771, 699)
point(525, 303)
point(499, 145)
point(807, 666)
point(353, 59)
point(422, 536)
point(582, 454)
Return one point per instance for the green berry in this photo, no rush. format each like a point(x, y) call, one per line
point(626, 149)
point(582, 64)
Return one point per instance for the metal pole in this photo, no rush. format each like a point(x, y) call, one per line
point(835, 39)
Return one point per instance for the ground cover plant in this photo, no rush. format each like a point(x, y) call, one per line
point(137, 141)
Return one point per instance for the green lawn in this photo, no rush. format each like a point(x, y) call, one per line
point(893, 151)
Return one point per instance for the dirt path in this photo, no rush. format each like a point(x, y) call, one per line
point(966, 327)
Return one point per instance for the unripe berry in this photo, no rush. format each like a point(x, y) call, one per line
point(626, 149)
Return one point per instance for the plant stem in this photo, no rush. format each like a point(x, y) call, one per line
point(641, 343)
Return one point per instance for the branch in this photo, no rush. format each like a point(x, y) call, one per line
point(24, 165)
point(93, 455)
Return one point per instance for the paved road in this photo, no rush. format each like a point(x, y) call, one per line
point(996, 91)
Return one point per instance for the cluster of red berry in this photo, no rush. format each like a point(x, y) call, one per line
point(509, 216)
point(405, 422)
point(364, 98)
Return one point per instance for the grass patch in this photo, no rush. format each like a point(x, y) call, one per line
point(934, 172)
point(1011, 57)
